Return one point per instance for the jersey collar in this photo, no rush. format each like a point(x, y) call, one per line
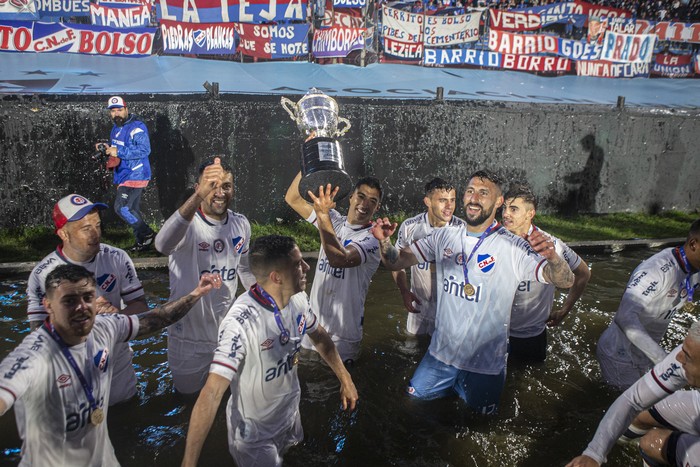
point(212, 222)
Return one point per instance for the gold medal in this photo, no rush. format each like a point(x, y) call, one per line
point(688, 307)
point(469, 290)
point(97, 416)
point(296, 358)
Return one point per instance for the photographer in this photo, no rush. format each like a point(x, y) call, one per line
point(128, 153)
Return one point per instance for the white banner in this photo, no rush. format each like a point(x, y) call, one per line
point(451, 30)
point(628, 48)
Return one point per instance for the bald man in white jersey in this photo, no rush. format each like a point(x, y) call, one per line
point(420, 299)
point(479, 266)
point(62, 371)
point(257, 356)
point(202, 236)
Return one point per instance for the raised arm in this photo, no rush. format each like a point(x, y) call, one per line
point(294, 199)
point(202, 417)
point(326, 348)
point(393, 258)
point(171, 312)
point(556, 271)
point(582, 275)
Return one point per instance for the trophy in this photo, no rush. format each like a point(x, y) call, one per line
point(316, 114)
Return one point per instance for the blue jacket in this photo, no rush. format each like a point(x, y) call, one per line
point(133, 148)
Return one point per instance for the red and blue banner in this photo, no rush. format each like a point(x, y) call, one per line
point(628, 48)
point(121, 15)
point(34, 36)
point(273, 41)
point(63, 7)
point(504, 20)
point(673, 66)
point(485, 58)
point(668, 31)
point(198, 38)
point(231, 11)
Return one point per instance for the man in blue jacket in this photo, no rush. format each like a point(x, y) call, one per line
point(128, 153)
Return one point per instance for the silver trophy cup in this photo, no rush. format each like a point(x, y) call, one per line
point(316, 114)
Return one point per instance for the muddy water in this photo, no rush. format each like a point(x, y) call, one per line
point(548, 412)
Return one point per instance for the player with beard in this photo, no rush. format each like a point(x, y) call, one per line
point(479, 266)
point(203, 235)
point(128, 153)
point(347, 261)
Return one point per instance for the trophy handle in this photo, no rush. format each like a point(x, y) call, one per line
point(342, 131)
point(290, 107)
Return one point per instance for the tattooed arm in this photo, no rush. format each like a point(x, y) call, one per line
point(393, 258)
point(556, 271)
point(171, 312)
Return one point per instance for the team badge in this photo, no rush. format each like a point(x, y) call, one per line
point(238, 244)
point(347, 242)
point(459, 259)
point(446, 253)
point(268, 344)
point(485, 262)
point(78, 200)
point(199, 37)
point(302, 324)
point(218, 245)
point(102, 360)
point(204, 246)
point(107, 282)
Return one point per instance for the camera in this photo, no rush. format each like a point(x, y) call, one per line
point(102, 148)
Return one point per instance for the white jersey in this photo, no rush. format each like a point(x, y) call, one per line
point(665, 378)
point(533, 300)
point(56, 426)
point(338, 294)
point(262, 369)
point(204, 245)
point(423, 281)
point(471, 332)
point(117, 281)
point(655, 292)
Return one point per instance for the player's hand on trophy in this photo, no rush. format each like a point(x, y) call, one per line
point(325, 201)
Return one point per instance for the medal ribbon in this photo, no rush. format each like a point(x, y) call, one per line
point(689, 268)
point(485, 234)
point(284, 334)
point(66, 353)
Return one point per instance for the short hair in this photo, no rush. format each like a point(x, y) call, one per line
point(694, 231)
point(438, 184)
point(372, 182)
point(490, 176)
point(694, 331)
point(67, 272)
point(522, 191)
point(268, 253)
point(209, 161)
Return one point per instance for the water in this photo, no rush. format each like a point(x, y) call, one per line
point(548, 412)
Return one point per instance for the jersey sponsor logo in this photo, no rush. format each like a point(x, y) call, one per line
point(218, 245)
point(236, 343)
point(635, 282)
point(107, 282)
point(666, 267)
point(204, 246)
point(241, 318)
point(325, 267)
point(39, 269)
point(671, 293)
point(652, 288)
point(101, 360)
point(227, 274)
point(17, 366)
point(64, 381)
point(238, 244)
point(671, 372)
point(485, 262)
point(451, 286)
point(460, 259)
point(424, 266)
point(130, 274)
point(268, 344)
point(80, 419)
point(284, 366)
point(524, 286)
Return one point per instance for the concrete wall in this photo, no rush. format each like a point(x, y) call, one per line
point(577, 158)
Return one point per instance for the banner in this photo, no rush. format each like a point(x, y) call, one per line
point(462, 57)
point(18, 10)
point(272, 40)
point(403, 50)
point(576, 12)
point(603, 69)
point(697, 64)
point(230, 11)
point(667, 31)
point(198, 38)
point(598, 26)
point(402, 33)
point(530, 63)
point(628, 48)
point(28, 36)
point(451, 30)
point(122, 17)
point(513, 21)
point(522, 44)
point(349, 3)
point(338, 18)
point(673, 66)
point(62, 7)
point(337, 42)
point(579, 50)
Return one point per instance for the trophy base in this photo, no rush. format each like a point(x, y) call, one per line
point(321, 164)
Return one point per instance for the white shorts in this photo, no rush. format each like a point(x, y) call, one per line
point(421, 323)
point(619, 374)
point(189, 364)
point(123, 385)
point(265, 453)
point(680, 411)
